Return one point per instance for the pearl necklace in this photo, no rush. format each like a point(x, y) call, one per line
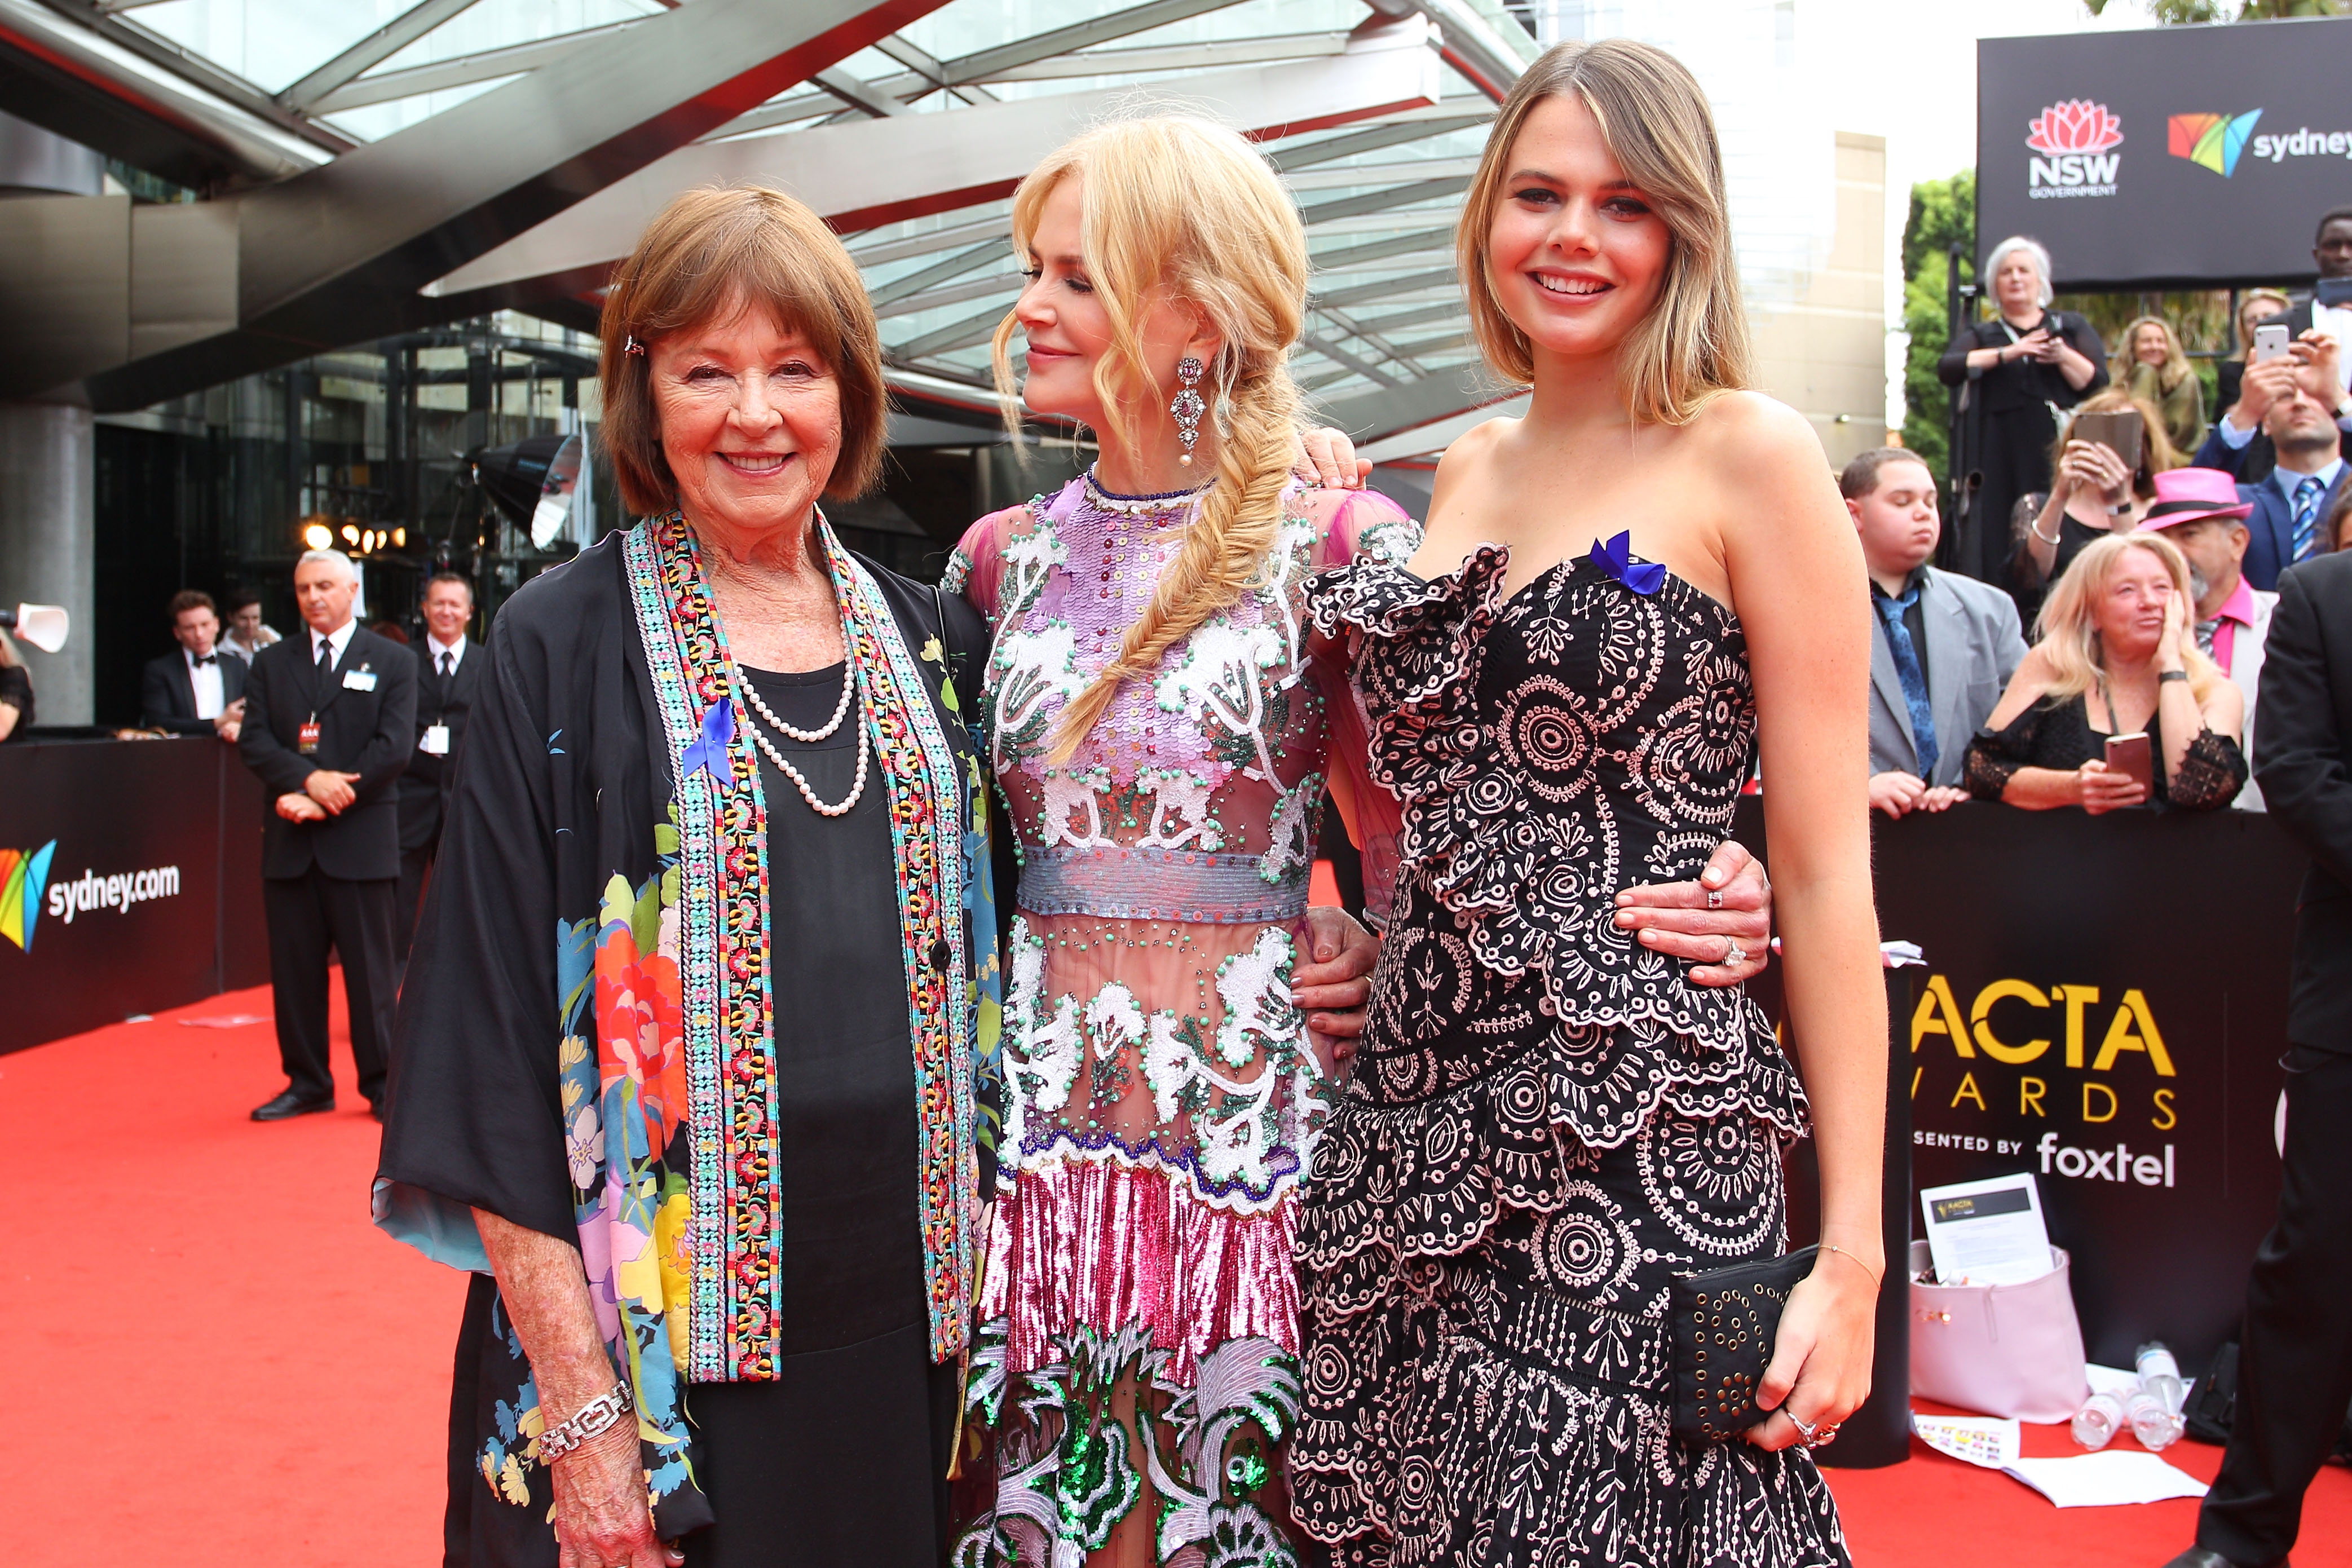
point(1137, 505)
point(857, 789)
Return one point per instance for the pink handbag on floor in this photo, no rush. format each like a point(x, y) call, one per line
point(2003, 1350)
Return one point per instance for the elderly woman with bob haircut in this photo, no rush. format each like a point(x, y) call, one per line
point(2115, 653)
point(2027, 361)
point(690, 1033)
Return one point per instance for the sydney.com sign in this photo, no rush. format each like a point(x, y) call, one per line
point(2179, 156)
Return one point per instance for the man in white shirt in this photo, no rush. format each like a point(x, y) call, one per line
point(2201, 511)
point(448, 668)
point(195, 691)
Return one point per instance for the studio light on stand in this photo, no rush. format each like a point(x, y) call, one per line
point(533, 482)
point(43, 625)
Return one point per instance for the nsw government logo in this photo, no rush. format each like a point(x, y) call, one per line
point(2077, 140)
point(23, 875)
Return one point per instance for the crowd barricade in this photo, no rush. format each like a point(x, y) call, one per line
point(130, 881)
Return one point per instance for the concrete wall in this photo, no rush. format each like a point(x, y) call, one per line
point(1826, 355)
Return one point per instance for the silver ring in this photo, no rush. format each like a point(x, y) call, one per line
point(1805, 1429)
point(1715, 898)
point(1828, 1436)
point(1734, 955)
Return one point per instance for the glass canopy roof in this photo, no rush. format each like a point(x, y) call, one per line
point(1380, 194)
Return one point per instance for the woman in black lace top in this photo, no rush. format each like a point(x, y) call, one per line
point(2116, 657)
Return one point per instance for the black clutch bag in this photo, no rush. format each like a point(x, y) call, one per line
point(1723, 1324)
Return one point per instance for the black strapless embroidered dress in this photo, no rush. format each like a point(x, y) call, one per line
point(1546, 1121)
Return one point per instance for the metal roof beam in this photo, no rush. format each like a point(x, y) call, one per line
point(986, 65)
point(1215, 55)
point(1340, 356)
point(952, 294)
point(878, 251)
point(389, 86)
point(1385, 288)
point(956, 266)
point(869, 173)
point(1412, 244)
point(1381, 201)
point(1371, 141)
point(857, 94)
point(373, 51)
point(1354, 327)
point(1373, 416)
point(931, 69)
point(1490, 52)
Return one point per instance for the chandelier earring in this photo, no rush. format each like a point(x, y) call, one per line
point(1187, 406)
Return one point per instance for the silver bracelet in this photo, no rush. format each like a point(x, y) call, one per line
point(593, 1419)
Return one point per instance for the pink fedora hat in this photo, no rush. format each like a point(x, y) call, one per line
point(2190, 495)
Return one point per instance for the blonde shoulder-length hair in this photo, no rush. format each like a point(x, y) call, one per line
point(1174, 207)
point(2169, 374)
point(2068, 627)
point(1694, 343)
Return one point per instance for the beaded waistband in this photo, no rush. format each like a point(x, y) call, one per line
point(1131, 884)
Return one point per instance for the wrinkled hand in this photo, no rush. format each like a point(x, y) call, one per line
point(1332, 985)
point(297, 807)
point(1674, 919)
point(1896, 792)
point(1821, 1354)
point(602, 1517)
point(1327, 457)
point(2104, 791)
point(1942, 798)
point(330, 790)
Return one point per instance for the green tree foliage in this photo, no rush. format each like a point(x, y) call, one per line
point(2190, 13)
point(1942, 213)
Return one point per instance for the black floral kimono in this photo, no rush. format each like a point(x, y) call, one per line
point(588, 1035)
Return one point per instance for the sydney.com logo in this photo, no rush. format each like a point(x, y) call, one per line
point(2078, 142)
point(2216, 141)
point(25, 874)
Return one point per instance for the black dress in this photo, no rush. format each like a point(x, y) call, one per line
point(2059, 736)
point(1546, 1121)
point(2008, 421)
point(843, 1458)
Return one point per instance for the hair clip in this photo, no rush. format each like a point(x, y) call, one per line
point(634, 347)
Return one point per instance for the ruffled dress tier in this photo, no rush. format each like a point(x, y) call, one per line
point(1546, 1122)
point(1162, 1099)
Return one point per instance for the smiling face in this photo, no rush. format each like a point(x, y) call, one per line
point(449, 606)
point(1068, 332)
point(749, 420)
point(2149, 346)
point(2129, 610)
point(1574, 254)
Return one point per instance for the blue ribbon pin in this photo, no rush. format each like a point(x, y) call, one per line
point(1616, 558)
point(708, 754)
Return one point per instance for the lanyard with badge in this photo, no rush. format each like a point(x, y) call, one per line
point(362, 679)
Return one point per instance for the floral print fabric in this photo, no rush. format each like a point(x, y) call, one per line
point(1162, 1097)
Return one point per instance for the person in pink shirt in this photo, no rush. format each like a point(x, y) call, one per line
point(2199, 510)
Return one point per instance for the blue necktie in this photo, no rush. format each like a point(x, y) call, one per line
point(2307, 515)
point(1891, 611)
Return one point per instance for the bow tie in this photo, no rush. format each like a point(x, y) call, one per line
point(207, 659)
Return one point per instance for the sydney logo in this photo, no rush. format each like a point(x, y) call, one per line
point(24, 874)
point(2075, 144)
point(2211, 140)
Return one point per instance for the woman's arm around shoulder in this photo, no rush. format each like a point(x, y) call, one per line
point(1800, 592)
point(1359, 525)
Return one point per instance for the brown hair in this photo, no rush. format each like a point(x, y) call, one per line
point(710, 253)
point(2156, 453)
point(189, 599)
point(1654, 117)
point(1860, 476)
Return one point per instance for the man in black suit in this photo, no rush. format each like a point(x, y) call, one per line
point(198, 690)
point(445, 678)
point(331, 726)
point(2294, 1362)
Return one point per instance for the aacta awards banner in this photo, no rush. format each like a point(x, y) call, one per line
point(130, 881)
point(2103, 1004)
point(2187, 156)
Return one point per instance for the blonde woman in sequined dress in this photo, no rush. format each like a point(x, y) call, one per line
point(1162, 727)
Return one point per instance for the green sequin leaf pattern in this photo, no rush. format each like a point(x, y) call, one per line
point(1242, 1383)
point(1096, 1482)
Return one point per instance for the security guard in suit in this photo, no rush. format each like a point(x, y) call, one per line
point(329, 725)
point(447, 674)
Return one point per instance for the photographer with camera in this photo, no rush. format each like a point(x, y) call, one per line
point(2019, 370)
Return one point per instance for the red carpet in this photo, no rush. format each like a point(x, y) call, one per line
point(227, 1365)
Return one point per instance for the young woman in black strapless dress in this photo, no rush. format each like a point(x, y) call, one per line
point(1622, 597)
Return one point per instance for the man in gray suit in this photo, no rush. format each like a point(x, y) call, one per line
point(1945, 645)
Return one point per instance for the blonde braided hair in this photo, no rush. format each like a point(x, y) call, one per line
point(1174, 207)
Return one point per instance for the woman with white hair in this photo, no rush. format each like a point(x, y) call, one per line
point(2019, 370)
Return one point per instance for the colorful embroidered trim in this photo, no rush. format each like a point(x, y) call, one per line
point(1129, 882)
point(921, 769)
point(722, 967)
